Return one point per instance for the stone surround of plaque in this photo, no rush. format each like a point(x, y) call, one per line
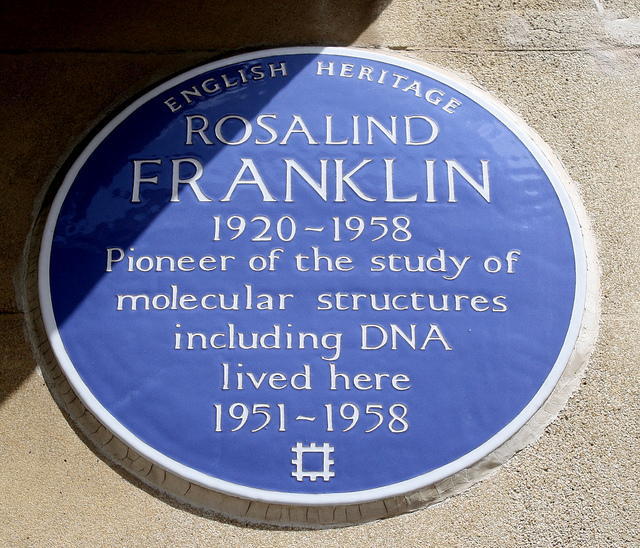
point(332, 284)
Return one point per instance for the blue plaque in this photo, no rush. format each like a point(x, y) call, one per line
point(313, 276)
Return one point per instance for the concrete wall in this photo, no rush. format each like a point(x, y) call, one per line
point(571, 69)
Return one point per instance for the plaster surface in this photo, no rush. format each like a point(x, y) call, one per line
point(571, 69)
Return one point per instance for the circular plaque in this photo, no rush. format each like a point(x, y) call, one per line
point(312, 278)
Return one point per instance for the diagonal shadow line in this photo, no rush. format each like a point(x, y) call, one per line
point(161, 25)
point(328, 23)
point(97, 193)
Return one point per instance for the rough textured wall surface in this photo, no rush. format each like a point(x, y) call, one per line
point(571, 69)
